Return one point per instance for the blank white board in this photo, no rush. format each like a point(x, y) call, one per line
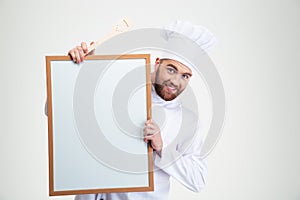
point(96, 114)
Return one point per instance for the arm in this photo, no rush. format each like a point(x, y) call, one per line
point(184, 164)
point(182, 159)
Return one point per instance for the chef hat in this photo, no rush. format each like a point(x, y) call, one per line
point(179, 36)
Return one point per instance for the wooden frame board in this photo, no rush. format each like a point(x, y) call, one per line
point(96, 112)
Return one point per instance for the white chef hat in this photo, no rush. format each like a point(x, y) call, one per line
point(181, 39)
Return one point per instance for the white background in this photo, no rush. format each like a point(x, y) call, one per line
point(257, 57)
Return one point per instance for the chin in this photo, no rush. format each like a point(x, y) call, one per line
point(168, 97)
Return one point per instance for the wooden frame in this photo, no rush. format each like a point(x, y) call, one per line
point(59, 90)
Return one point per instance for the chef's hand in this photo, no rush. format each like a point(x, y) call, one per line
point(152, 134)
point(78, 53)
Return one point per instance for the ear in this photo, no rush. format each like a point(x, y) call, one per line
point(153, 74)
point(157, 62)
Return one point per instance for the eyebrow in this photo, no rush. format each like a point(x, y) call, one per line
point(173, 66)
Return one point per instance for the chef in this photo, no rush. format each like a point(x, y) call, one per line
point(176, 137)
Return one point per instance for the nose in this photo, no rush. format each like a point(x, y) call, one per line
point(175, 79)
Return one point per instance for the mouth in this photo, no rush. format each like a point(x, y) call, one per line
point(171, 89)
point(167, 91)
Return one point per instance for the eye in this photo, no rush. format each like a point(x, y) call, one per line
point(186, 76)
point(171, 70)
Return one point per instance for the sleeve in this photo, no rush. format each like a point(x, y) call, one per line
point(86, 197)
point(182, 160)
point(99, 196)
point(46, 108)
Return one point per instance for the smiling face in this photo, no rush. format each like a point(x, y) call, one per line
point(170, 78)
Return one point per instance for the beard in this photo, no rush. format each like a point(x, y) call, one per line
point(164, 93)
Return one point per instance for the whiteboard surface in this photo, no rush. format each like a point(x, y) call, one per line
point(80, 157)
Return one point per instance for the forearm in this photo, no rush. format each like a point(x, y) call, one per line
point(187, 169)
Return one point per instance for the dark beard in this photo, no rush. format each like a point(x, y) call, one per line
point(160, 92)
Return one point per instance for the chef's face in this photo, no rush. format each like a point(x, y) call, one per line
point(170, 78)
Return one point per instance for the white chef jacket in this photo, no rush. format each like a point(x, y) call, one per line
point(180, 158)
